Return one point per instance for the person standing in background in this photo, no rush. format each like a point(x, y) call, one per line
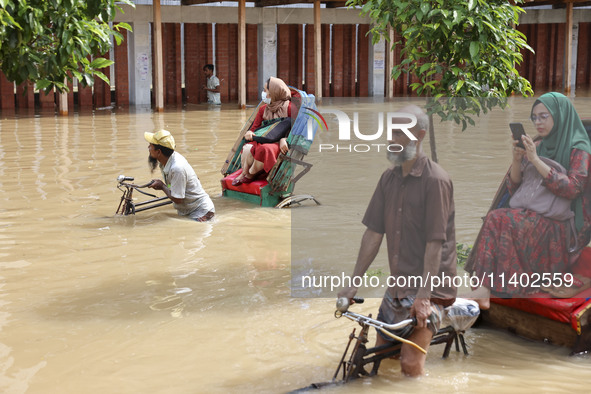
point(213, 85)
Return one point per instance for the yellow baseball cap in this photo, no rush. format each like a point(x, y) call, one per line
point(162, 138)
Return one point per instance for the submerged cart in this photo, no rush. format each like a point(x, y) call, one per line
point(277, 189)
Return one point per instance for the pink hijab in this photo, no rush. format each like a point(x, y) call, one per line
point(280, 98)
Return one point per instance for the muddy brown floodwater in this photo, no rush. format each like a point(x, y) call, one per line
point(95, 303)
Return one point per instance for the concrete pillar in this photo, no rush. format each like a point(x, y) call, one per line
point(63, 103)
point(318, 52)
point(267, 53)
point(158, 85)
point(140, 64)
point(378, 69)
point(241, 54)
point(568, 56)
point(575, 47)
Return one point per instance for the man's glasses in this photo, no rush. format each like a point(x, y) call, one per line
point(542, 117)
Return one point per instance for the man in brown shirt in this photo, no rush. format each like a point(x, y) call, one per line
point(413, 205)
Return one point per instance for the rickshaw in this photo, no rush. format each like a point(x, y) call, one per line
point(563, 320)
point(277, 189)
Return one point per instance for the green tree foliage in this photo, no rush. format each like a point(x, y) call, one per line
point(49, 41)
point(462, 53)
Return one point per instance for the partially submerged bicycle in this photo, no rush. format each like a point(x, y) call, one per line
point(365, 362)
point(127, 206)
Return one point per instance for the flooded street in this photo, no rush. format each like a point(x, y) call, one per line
point(91, 302)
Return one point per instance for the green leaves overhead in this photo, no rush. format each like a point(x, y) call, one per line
point(50, 41)
point(454, 49)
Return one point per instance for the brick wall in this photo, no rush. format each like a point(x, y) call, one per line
point(102, 90)
point(325, 38)
point(310, 71)
point(349, 60)
point(252, 63)
point(121, 74)
point(198, 53)
point(171, 53)
point(227, 60)
point(362, 89)
point(290, 48)
point(544, 69)
point(584, 59)
point(338, 36)
point(84, 96)
point(25, 99)
point(6, 93)
point(401, 85)
point(47, 101)
point(70, 96)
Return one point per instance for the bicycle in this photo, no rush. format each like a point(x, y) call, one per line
point(127, 206)
point(357, 364)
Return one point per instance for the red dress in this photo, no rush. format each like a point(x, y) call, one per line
point(523, 245)
point(265, 153)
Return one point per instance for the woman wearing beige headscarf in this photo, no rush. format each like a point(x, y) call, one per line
point(259, 158)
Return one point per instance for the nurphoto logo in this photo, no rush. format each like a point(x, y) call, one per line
point(393, 120)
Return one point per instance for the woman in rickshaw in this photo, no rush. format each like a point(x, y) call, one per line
point(259, 155)
point(521, 242)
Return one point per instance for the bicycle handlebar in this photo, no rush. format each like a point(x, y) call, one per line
point(379, 324)
point(142, 186)
point(343, 306)
point(123, 178)
point(343, 303)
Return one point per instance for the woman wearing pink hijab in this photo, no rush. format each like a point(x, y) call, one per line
point(259, 158)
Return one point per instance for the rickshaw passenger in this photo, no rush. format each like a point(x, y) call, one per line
point(259, 158)
point(519, 241)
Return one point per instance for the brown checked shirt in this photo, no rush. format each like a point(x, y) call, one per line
point(412, 211)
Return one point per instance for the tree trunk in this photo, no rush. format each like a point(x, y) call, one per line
point(432, 139)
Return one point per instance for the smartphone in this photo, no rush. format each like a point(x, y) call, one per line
point(517, 131)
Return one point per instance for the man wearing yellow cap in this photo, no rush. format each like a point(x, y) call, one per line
point(180, 184)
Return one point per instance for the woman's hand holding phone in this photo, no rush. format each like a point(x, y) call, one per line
point(517, 131)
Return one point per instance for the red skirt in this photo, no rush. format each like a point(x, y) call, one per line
point(265, 153)
point(520, 245)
